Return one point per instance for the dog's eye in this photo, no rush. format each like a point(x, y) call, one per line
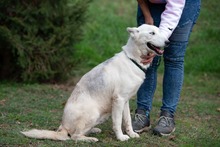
point(152, 33)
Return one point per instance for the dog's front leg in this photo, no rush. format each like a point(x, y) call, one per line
point(127, 121)
point(117, 110)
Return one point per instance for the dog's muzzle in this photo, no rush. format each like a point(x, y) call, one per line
point(156, 49)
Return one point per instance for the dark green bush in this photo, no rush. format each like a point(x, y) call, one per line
point(37, 38)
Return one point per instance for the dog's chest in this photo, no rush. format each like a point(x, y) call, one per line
point(129, 85)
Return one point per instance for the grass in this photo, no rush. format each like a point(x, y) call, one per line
point(105, 32)
point(26, 106)
point(204, 46)
point(40, 106)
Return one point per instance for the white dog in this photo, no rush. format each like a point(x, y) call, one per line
point(106, 90)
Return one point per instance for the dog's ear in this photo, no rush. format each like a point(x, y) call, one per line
point(133, 31)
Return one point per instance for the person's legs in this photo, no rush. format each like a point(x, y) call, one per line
point(174, 67)
point(174, 56)
point(147, 89)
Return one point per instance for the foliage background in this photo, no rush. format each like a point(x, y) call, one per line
point(37, 38)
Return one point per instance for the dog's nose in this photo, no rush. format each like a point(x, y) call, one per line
point(167, 43)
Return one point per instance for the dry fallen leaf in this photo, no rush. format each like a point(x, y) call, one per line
point(2, 102)
point(172, 137)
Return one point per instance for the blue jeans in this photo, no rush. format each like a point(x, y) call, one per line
point(173, 58)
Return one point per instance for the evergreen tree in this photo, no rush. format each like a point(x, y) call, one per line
point(37, 37)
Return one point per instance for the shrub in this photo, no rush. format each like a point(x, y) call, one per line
point(37, 38)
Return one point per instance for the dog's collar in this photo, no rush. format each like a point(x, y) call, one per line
point(138, 65)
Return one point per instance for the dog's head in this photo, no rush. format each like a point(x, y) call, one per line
point(148, 39)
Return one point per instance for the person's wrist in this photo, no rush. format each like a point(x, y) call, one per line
point(164, 33)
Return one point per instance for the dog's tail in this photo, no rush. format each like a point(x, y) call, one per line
point(46, 134)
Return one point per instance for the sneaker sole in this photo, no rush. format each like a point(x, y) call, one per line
point(145, 129)
point(162, 134)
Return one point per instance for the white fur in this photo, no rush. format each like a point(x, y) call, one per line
point(105, 91)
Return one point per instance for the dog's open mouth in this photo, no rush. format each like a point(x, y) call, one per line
point(157, 49)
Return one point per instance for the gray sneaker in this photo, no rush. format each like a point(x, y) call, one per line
point(141, 121)
point(165, 125)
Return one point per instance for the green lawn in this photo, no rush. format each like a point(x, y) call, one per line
point(40, 106)
point(26, 106)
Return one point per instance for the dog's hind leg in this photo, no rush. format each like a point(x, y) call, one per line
point(84, 138)
point(94, 131)
point(80, 136)
point(81, 130)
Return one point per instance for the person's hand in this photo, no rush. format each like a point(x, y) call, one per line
point(147, 59)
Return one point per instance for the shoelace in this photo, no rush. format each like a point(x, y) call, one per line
point(140, 117)
point(165, 121)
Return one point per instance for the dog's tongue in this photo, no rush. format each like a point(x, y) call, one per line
point(159, 51)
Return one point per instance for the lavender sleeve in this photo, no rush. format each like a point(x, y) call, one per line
point(171, 16)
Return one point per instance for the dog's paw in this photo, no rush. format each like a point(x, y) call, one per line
point(123, 137)
point(91, 139)
point(95, 130)
point(134, 135)
point(84, 138)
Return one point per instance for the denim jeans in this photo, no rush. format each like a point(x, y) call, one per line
point(173, 58)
